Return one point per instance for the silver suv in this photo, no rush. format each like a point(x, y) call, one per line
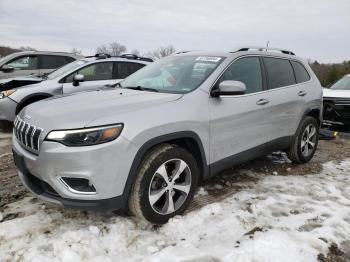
point(33, 63)
point(146, 145)
point(90, 73)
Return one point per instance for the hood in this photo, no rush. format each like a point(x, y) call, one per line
point(78, 110)
point(336, 93)
point(10, 83)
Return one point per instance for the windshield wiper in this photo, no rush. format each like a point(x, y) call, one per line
point(142, 88)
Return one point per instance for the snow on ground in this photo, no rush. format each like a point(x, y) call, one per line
point(279, 218)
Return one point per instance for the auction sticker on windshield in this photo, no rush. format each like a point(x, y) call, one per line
point(214, 59)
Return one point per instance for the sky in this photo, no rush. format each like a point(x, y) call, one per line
point(313, 29)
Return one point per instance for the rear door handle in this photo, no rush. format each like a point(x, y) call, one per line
point(302, 93)
point(262, 102)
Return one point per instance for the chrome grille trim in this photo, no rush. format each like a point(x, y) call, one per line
point(27, 135)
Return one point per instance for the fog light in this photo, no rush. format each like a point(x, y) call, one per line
point(78, 185)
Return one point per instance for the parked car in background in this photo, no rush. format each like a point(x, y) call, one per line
point(86, 74)
point(35, 63)
point(146, 145)
point(336, 105)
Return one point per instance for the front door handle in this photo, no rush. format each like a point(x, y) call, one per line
point(302, 93)
point(262, 102)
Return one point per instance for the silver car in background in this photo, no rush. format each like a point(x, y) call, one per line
point(146, 145)
point(35, 63)
point(86, 74)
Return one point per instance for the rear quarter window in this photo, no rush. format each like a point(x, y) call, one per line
point(279, 72)
point(300, 71)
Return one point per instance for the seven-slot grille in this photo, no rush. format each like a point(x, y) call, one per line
point(28, 135)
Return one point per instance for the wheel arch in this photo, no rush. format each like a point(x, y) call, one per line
point(186, 139)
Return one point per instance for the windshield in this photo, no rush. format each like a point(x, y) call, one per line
point(64, 69)
point(342, 84)
point(174, 74)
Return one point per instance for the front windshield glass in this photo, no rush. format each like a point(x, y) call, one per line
point(342, 84)
point(65, 69)
point(174, 74)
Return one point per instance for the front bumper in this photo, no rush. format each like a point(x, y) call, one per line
point(106, 166)
point(7, 109)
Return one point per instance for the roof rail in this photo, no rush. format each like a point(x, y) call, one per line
point(136, 57)
point(126, 56)
point(264, 48)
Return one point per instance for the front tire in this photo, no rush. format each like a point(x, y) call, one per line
point(305, 142)
point(165, 184)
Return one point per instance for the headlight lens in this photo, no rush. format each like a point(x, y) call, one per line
point(7, 93)
point(86, 136)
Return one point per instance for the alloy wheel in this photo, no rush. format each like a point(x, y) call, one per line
point(170, 186)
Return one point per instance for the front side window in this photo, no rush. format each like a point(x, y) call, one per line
point(94, 72)
point(174, 74)
point(279, 71)
point(301, 74)
point(65, 69)
point(246, 70)
point(24, 63)
point(124, 69)
point(342, 84)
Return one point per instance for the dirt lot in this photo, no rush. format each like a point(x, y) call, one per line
point(227, 183)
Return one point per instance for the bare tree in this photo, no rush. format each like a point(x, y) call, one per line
point(76, 51)
point(27, 48)
point(102, 50)
point(163, 52)
point(135, 52)
point(116, 49)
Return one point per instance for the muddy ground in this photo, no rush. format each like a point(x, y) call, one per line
point(217, 188)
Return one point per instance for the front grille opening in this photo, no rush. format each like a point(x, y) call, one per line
point(28, 135)
point(79, 184)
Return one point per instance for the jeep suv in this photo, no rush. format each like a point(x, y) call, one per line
point(146, 145)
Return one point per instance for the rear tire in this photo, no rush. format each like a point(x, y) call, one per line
point(165, 184)
point(305, 142)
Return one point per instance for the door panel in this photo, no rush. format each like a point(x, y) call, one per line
point(286, 105)
point(239, 123)
point(86, 86)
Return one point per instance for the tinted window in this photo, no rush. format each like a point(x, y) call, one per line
point(94, 72)
point(52, 61)
point(24, 63)
point(301, 74)
point(246, 70)
point(280, 72)
point(124, 69)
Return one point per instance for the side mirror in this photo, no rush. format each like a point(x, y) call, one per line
point(7, 68)
point(77, 79)
point(229, 88)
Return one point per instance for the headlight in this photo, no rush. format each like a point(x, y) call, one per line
point(86, 136)
point(7, 93)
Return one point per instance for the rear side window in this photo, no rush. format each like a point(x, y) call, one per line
point(124, 69)
point(53, 61)
point(246, 70)
point(279, 71)
point(301, 73)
